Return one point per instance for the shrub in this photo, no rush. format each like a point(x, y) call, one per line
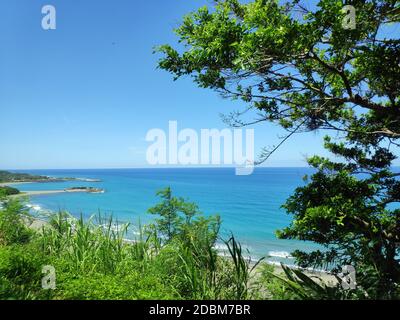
point(21, 272)
point(98, 286)
point(13, 229)
point(8, 191)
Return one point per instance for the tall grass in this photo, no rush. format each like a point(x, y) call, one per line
point(242, 267)
point(86, 245)
point(189, 266)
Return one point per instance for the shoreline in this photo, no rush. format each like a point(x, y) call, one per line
point(5, 184)
point(50, 180)
point(47, 192)
point(38, 193)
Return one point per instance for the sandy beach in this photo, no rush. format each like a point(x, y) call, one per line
point(4, 184)
point(38, 193)
point(326, 278)
point(44, 192)
point(30, 193)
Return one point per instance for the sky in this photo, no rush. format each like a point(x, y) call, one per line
point(85, 95)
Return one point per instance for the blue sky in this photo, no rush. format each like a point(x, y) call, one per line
point(85, 95)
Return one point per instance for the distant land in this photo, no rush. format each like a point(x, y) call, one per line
point(12, 177)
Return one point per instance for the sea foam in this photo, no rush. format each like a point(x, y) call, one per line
point(280, 254)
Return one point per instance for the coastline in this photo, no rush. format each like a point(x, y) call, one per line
point(318, 275)
point(49, 180)
point(38, 193)
point(5, 184)
point(46, 192)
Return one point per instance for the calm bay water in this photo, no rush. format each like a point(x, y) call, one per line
point(250, 206)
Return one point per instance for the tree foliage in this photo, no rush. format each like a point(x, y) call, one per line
point(8, 191)
point(182, 219)
point(6, 176)
point(296, 64)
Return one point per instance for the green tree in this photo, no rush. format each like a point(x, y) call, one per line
point(182, 219)
point(298, 65)
point(8, 191)
point(168, 210)
point(13, 219)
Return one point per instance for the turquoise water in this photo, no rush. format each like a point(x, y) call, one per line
point(250, 206)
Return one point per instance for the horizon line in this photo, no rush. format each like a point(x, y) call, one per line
point(168, 167)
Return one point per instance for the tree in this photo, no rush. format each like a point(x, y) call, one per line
point(8, 191)
point(13, 219)
point(168, 212)
point(301, 67)
point(180, 219)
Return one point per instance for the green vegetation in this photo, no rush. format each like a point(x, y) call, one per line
point(6, 176)
point(8, 191)
point(304, 70)
point(13, 229)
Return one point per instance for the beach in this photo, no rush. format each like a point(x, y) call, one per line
point(43, 192)
point(39, 193)
point(5, 184)
point(29, 193)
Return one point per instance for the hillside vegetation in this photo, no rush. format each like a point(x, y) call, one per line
point(8, 191)
point(6, 176)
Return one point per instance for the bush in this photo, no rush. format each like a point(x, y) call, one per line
point(98, 286)
point(273, 287)
point(13, 229)
point(8, 191)
point(21, 272)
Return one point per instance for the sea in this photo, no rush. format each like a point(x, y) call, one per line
point(250, 206)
